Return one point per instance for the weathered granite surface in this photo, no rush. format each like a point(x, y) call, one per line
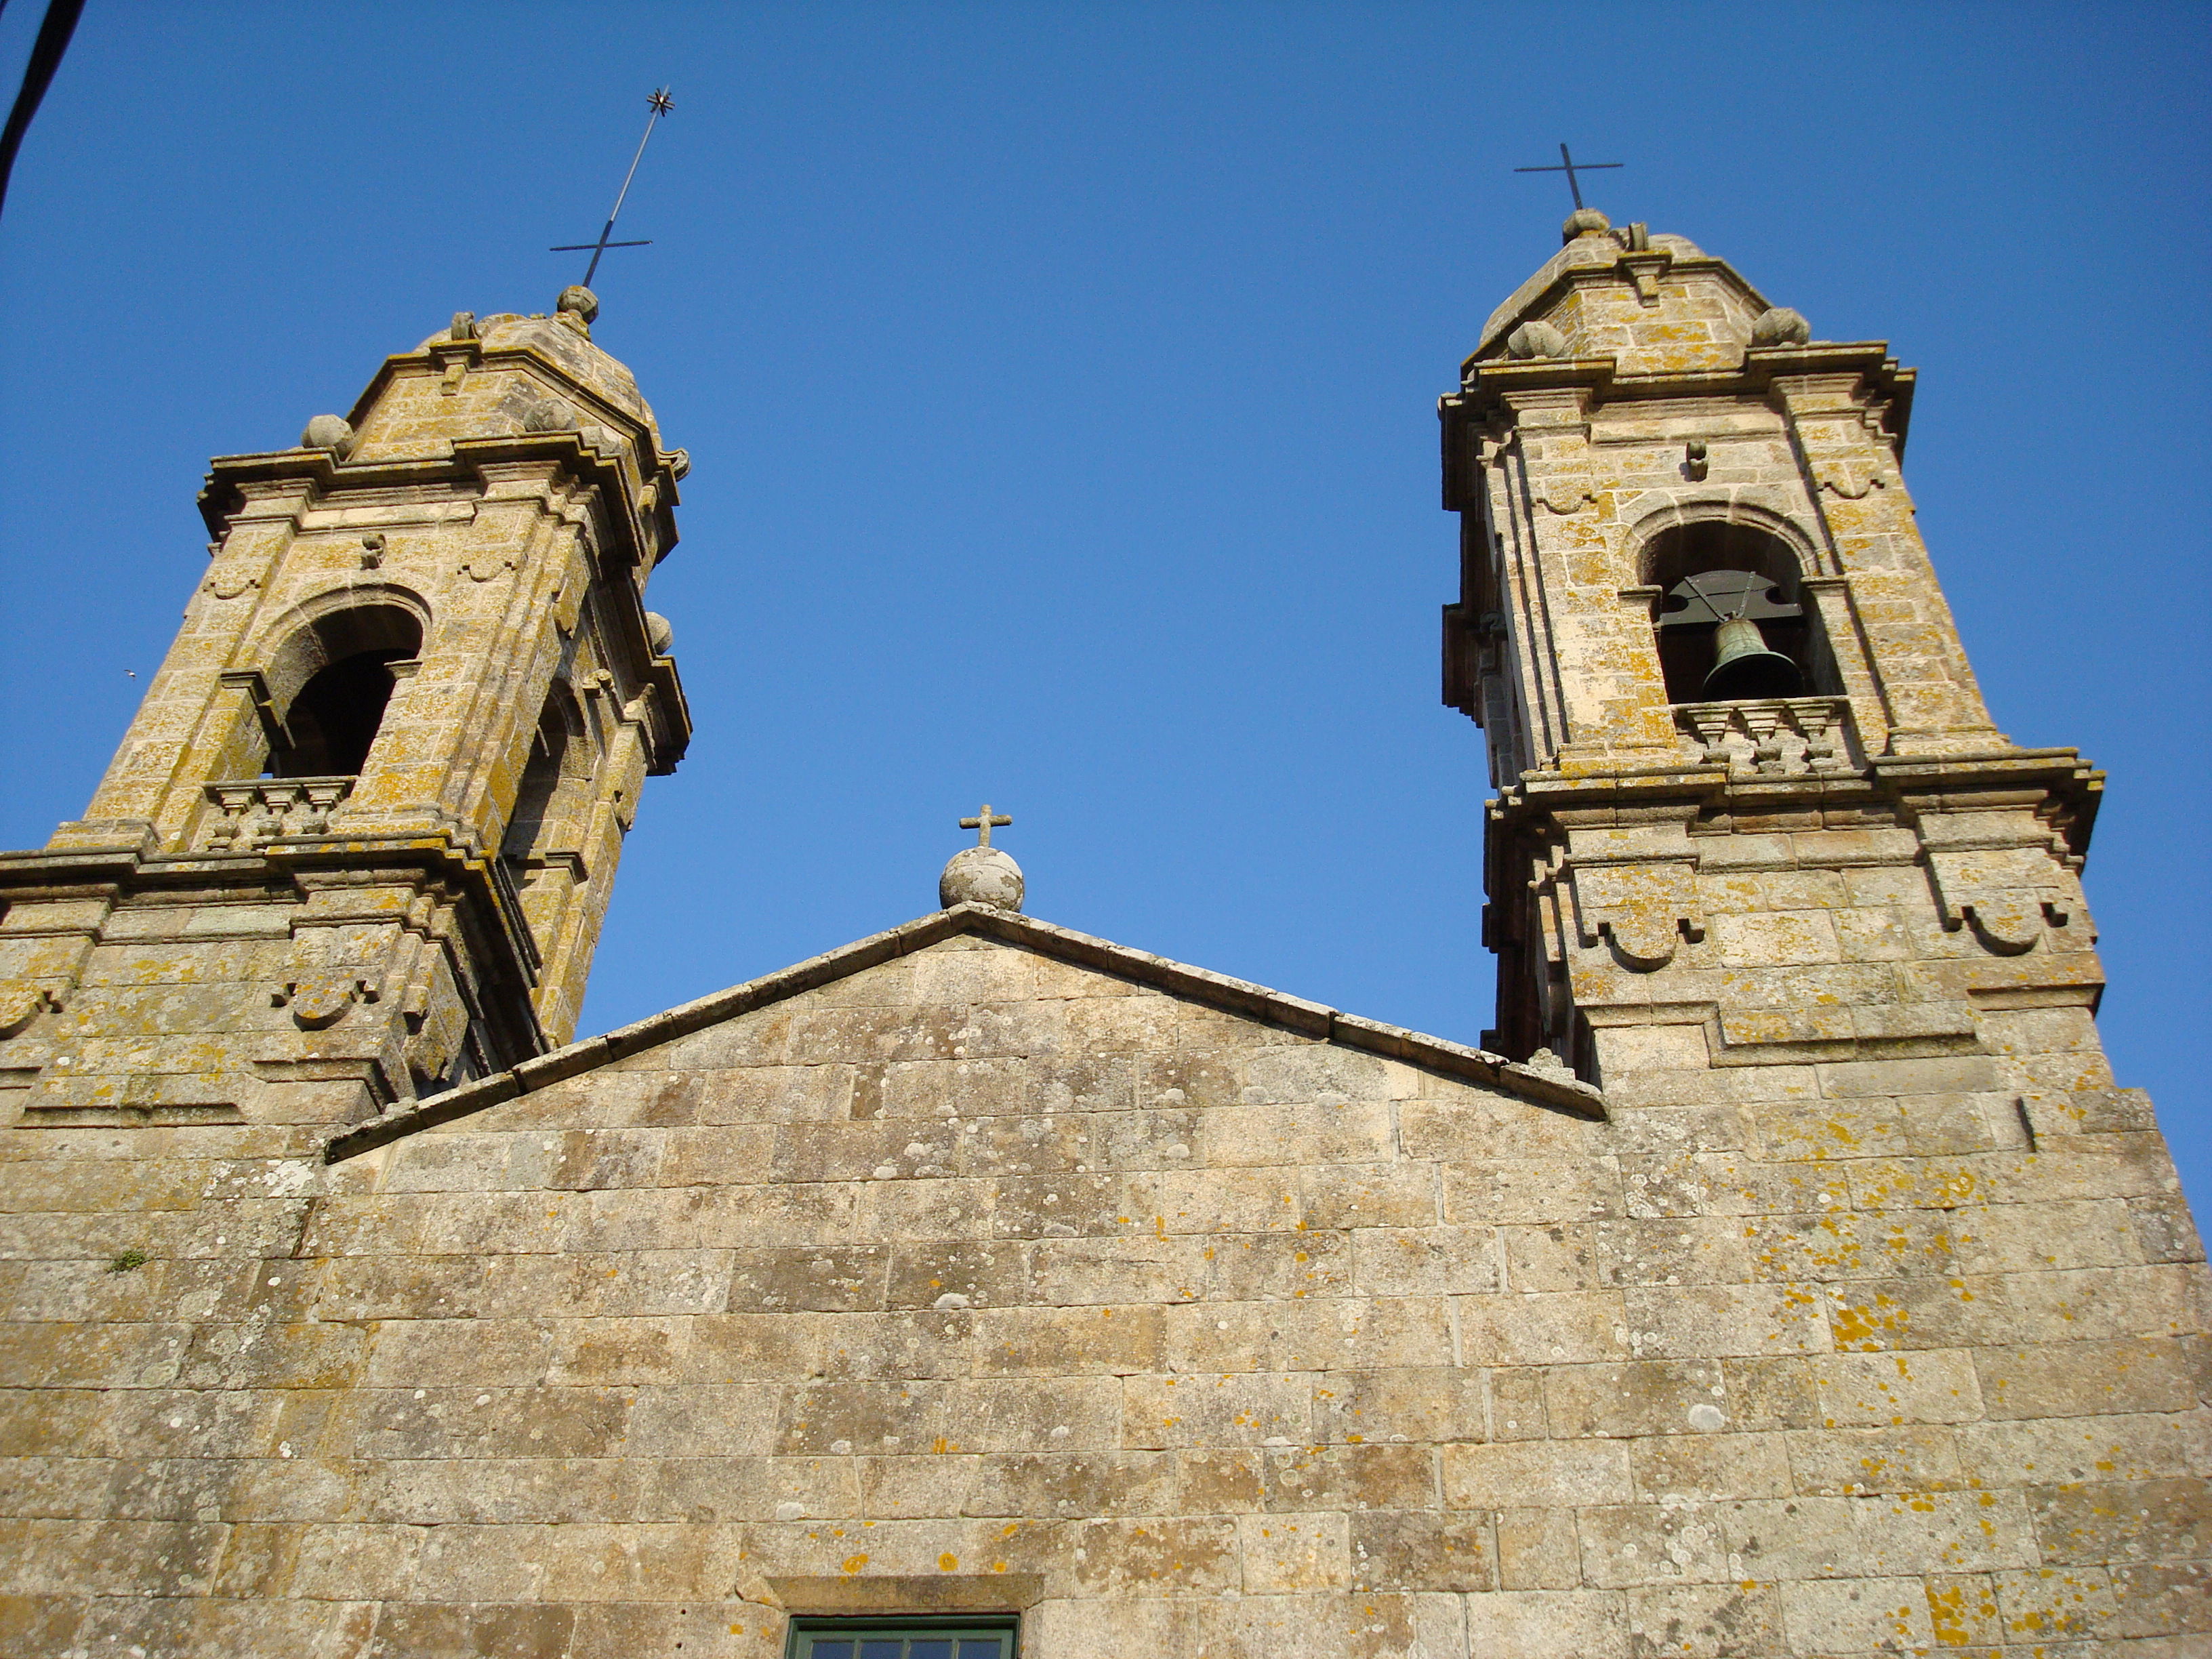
point(980, 1279)
point(983, 1265)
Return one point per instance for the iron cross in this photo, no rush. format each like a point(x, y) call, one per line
point(1568, 165)
point(661, 104)
point(983, 823)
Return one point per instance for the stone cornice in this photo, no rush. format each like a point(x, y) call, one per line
point(1234, 996)
point(324, 474)
point(1489, 390)
point(113, 873)
point(1978, 779)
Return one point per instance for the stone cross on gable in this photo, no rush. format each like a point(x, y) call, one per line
point(983, 823)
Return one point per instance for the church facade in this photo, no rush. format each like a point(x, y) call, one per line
point(1784, 1276)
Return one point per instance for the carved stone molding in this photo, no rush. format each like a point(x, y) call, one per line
point(322, 999)
point(1643, 911)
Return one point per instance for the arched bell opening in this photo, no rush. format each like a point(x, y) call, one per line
point(1732, 622)
point(330, 685)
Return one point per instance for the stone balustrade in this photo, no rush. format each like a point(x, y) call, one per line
point(248, 813)
point(1774, 736)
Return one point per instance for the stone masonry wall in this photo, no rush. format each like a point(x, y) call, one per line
point(976, 1279)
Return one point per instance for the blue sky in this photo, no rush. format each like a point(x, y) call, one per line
point(1060, 383)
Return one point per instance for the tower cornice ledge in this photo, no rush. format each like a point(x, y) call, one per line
point(1489, 389)
point(465, 460)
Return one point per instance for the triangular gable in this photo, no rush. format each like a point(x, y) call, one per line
point(1233, 996)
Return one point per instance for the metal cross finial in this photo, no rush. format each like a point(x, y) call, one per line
point(661, 104)
point(1571, 167)
point(983, 823)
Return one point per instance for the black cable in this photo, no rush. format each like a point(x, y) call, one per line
point(45, 57)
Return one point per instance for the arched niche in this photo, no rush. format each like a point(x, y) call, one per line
point(1711, 570)
point(554, 800)
point(329, 684)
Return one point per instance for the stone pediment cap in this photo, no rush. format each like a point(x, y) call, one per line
point(1234, 996)
point(1593, 252)
point(569, 349)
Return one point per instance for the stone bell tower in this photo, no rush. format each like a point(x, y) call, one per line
point(1752, 811)
point(358, 841)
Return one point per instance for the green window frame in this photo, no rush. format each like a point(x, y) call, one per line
point(960, 1636)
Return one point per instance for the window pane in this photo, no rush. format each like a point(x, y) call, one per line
point(930, 1647)
point(882, 1648)
point(981, 1647)
point(822, 1649)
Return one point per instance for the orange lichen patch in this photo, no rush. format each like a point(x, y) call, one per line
point(1865, 1328)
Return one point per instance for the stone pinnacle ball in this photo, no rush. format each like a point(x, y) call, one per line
point(980, 875)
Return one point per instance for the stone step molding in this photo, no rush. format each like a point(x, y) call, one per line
point(1774, 737)
point(250, 812)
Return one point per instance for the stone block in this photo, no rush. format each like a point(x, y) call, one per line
point(1567, 1474)
point(1348, 1478)
point(1181, 1557)
point(1682, 1250)
point(1215, 1482)
point(1945, 1531)
point(1889, 1315)
point(1401, 1261)
point(1855, 1462)
point(2110, 1521)
point(1545, 1624)
point(1357, 1195)
point(1525, 1191)
point(1787, 1539)
point(1713, 1321)
point(1420, 1404)
point(1641, 1397)
point(1072, 1485)
point(1420, 1551)
point(2108, 1447)
point(1294, 1554)
point(1858, 1615)
point(1049, 1341)
point(2162, 1599)
point(1714, 1467)
point(1559, 1257)
point(1537, 1549)
point(1223, 1410)
point(1309, 1336)
point(2075, 1379)
point(1868, 1390)
point(1629, 1544)
point(1702, 1621)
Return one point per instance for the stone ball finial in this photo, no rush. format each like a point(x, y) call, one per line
point(658, 633)
point(332, 432)
point(1779, 325)
point(579, 300)
point(1536, 340)
point(1584, 222)
point(980, 875)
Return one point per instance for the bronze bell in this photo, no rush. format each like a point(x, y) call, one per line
point(1744, 668)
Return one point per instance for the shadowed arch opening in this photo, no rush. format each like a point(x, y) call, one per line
point(329, 686)
point(1711, 572)
point(555, 797)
